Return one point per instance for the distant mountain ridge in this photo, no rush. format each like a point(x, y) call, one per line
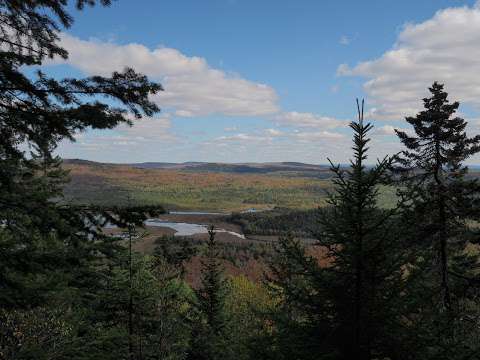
point(245, 168)
point(257, 168)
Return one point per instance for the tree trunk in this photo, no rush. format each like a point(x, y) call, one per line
point(444, 257)
point(130, 300)
point(442, 222)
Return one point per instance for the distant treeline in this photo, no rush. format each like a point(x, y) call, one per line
point(300, 223)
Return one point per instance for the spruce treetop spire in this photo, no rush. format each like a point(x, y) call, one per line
point(360, 111)
point(432, 171)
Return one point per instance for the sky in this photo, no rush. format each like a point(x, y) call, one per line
point(273, 80)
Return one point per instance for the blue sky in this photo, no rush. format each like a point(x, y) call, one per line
point(249, 81)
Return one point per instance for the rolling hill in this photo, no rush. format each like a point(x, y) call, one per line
point(198, 186)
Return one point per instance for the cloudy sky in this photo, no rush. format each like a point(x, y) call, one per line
point(270, 80)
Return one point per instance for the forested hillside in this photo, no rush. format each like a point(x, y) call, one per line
point(191, 189)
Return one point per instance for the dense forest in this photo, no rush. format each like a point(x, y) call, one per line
point(398, 282)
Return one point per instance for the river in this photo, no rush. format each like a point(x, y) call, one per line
point(188, 229)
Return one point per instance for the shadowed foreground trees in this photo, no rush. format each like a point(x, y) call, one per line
point(365, 278)
point(440, 213)
point(373, 295)
point(440, 200)
point(40, 237)
point(210, 336)
point(402, 283)
point(346, 308)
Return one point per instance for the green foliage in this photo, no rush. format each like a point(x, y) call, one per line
point(366, 268)
point(171, 253)
point(140, 314)
point(280, 221)
point(301, 314)
point(345, 308)
point(246, 304)
point(176, 189)
point(209, 332)
point(40, 333)
point(41, 238)
point(440, 205)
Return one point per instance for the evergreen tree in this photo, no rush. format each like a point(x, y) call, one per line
point(53, 253)
point(366, 258)
point(138, 311)
point(345, 305)
point(247, 302)
point(301, 317)
point(440, 204)
point(171, 253)
point(209, 338)
point(432, 170)
point(40, 236)
point(212, 291)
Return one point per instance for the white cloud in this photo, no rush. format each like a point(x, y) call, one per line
point(268, 145)
point(244, 138)
point(318, 135)
point(443, 48)
point(192, 87)
point(388, 130)
point(265, 136)
point(149, 129)
point(144, 132)
point(344, 40)
point(273, 132)
point(302, 119)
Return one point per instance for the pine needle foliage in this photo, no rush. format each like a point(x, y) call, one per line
point(366, 278)
point(440, 209)
point(43, 240)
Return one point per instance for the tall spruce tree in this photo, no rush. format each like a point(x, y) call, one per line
point(212, 291)
point(302, 314)
point(345, 305)
point(209, 335)
point(432, 169)
point(366, 261)
point(38, 232)
point(440, 204)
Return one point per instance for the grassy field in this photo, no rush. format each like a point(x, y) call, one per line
point(187, 190)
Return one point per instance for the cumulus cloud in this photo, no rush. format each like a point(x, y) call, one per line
point(245, 138)
point(344, 40)
point(304, 119)
point(149, 129)
point(318, 135)
point(443, 48)
point(145, 132)
point(273, 132)
point(192, 87)
point(386, 130)
point(306, 146)
point(266, 135)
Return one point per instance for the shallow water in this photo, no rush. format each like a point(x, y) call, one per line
point(195, 213)
point(251, 210)
point(187, 229)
